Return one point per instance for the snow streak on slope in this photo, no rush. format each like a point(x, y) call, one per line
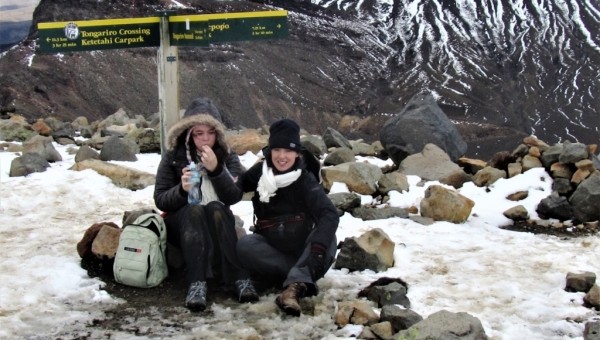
point(529, 64)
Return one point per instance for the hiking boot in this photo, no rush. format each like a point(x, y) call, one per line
point(244, 291)
point(289, 300)
point(196, 296)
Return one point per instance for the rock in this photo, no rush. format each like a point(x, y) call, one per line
point(471, 166)
point(446, 325)
point(41, 128)
point(552, 154)
point(339, 156)
point(431, 164)
point(334, 139)
point(314, 144)
point(518, 196)
point(530, 162)
point(367, 213)
point(84, 247)
point(514, 169)
point(591, 330)
point(501, 160)
point(106, 242)
point(560, 170)
point(372, 250)
point(592, 298)
point(555, 206)
point(585, 200)
point(562, 186)
point(248, 140)
point(86, 152)
point(421, 122)
point(14, 131)
point(43, 147)
point(442, 204)
point(400, 318)
point(383, 330)
point(580, 282)
point(121, 176)
point(147, 139)
point(517, 213)
point(359, 177)
point(355, 312)
point(487, 176)
point(118, 149)
point(28, 163)
point(364, 149)
point(345, 201)
point(387, 291)
point(573, 153)
point(396, 181)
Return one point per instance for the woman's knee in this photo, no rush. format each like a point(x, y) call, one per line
point(246, 245)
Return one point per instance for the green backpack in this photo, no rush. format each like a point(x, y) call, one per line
point(141, 259)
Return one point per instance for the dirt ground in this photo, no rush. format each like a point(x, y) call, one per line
point(165, 304)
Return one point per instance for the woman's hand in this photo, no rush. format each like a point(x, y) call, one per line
point(186, 184)
point(208, 158)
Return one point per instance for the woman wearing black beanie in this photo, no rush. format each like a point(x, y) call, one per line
point(294, 241)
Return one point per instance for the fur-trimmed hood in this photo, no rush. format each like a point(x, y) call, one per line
point(177, 133)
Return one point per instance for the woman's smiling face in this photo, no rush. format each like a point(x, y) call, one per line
point(283, 159)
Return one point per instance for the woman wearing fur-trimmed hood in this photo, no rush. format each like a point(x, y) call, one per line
point(204, 232)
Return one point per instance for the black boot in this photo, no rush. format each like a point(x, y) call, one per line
point(289, 299)
point(196, 297)
point(244, 291)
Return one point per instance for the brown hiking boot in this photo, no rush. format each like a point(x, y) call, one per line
point(289, 299)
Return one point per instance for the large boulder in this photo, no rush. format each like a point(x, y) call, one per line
point(586, 199)
point(442, 204)
point(445, 325)
point(373, 250)
point(421, 122)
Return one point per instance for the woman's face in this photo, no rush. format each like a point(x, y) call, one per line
point(204, 135)
point(283, 159)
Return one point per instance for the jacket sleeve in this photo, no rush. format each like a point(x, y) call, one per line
point(168, 192)
point(224, 180)
point(248, 182)
point(321, 209)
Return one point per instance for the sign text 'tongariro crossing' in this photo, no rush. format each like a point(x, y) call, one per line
point(184, 30)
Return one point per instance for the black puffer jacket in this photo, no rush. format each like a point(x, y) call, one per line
point(305, 195)
point(168, 192)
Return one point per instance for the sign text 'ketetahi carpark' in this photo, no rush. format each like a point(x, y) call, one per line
point(184, 30)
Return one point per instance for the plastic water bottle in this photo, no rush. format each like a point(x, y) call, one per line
point(194, 193)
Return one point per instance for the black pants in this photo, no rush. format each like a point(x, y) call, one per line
point(269, 264)
point(207, 239)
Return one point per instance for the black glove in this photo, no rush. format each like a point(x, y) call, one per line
point(316, 261)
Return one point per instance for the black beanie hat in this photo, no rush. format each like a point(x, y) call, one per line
point(285, 133)
point(202, 105)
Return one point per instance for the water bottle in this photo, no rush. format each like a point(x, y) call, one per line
point(194, 193)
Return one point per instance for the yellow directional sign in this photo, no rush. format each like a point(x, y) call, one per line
point(202, 29)
point(184, 30)
point(98, 34)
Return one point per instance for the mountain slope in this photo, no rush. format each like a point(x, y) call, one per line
point(531, 65)
point(500, 69)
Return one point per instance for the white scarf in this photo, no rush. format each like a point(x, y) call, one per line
point(208, 190)
point(269, 183)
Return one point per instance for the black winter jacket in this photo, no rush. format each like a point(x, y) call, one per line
point(305, 195)
point(168, 192)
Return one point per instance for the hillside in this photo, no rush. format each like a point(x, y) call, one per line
point(499, 71)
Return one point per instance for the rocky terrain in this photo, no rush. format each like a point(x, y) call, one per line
point(500, 71)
